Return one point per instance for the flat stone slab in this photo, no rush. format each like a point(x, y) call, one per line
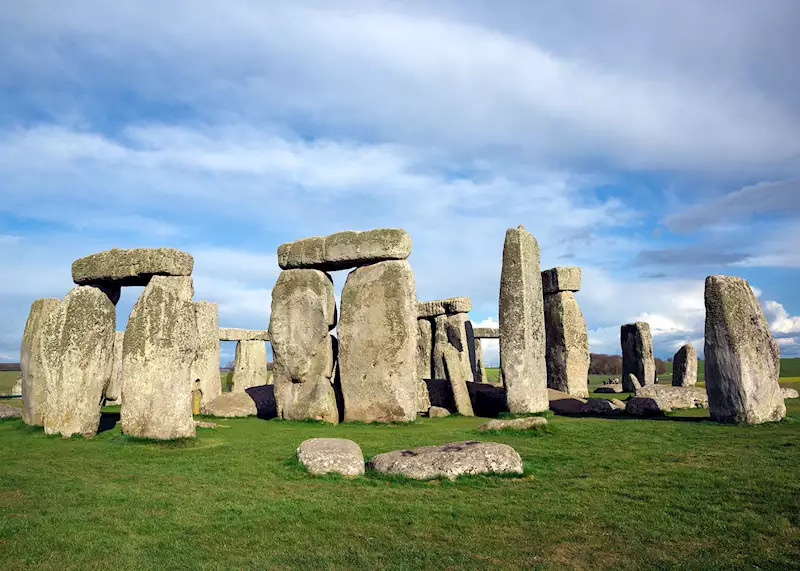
point(236, 334)
point(8, 411)
point(331, 456)
point(131, 267)
point(562, 278)
point(438, 412)
point(670, 397)
point(528, 423)
point(564, 403)
point(611, 407)
point(645, 406)
point(486, 332)
point(789, 393)
point(449, 460)
point(231, 405)
point(345, 250)
point(609, 389)
point(447, 306)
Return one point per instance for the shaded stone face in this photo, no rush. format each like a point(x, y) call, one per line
point(303, 314)
point(567, 345)
point(637, 355)
point(742, 360)
point(345, 250)
point(522, 332)
point(378, 343)
point(113, 391)
point(450, 332)
point(131, 267)
point(34, 384)
point(77, 352)
point(444, 306)
point(205, 367)
point(237, 334)
point(684, 367)
point(562, 278)
point(160, 344)
point(486, 332)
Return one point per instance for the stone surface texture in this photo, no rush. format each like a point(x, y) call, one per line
point(457, 375)
point(789, 393)
point(205, 367)
point(438, 412)
point(645, 406)
point(562, 278)
point(238, 334)
point(231, 405)
point(742, 360)
point(131, 267)
point(608, 389)
point(34, 383)
point(450, 333)
point(480, 366)
point(514, 423)
point(486, 332)
point(567, 344)
point(331, 456)
point(249, 366)
point(378, 343)
point(684, 367)
point(425, 348)
point(563, 403)
point(610, 407)
point(345, 250)
point(637, 355)
point(8, 411)
point(113, 390)
point(670, 397)
point(447, 306)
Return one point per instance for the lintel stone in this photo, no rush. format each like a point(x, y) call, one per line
point(134, 267)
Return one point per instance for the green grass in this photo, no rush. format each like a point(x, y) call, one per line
point(597, 494)
point(7, 380)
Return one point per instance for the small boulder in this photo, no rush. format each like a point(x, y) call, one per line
point(331, 456)
point(603, 406)
point(438, 412)
point(789, 393)
point(645, 406)
point(526, 423)
point(231, 405)
point(608, 389)
point(8, 411)
point(564, 403)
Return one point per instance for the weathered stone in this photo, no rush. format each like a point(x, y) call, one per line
point(77, 345)
point(457, 376)
point(423, 398)
point(633, 383)
point(522, 333)
point(608, 389)
point(205, 367)
point(527, 423)
point(425, 348)
point(206, 424)
point(303, 314)
point(157, 354)
point(645, 406)
point(131, 267)
point(480, 368)
point(447, 306)
point(486, 332)
point(788, 393)
point(449, 460)
point(742, 359)
point(345, 250)
point(450, 332)
point(16, 390)
point(331, 456)
point(8, 411)
point(34, 383)
point(378, 343)
point(675, 397)
point(438, 412)
point(231, 405)
point(563, 403)
point(562, 278)
point(609, 407)
point(113, 391)
point(249, 366)
point(637, 355)
point(236, 334)
point(684, 367)
point(567, 344)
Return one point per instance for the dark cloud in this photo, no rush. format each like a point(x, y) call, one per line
point(691, 256)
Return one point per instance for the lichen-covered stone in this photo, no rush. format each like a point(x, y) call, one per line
point(345, 250)
point(742, 360)
point(522, 332)
point(486, 332)
point(77, 346)
point(684, 367)
point(237, 334)
point(131, 267)
point(231, 405)
point(249, 366)
point(528, 423)
point(331, 456)
point(450, 332)
point(567, 344)
point(457, 375)
point(670, 397)
point(438, 412)
point(205, 367)
point(562, 278)
point(637, 355)
point(424, 362)
point(447, 306)
point(34, 383)
point(113, 391)
point(378, 343)
point(157, 355)
point(303, 314)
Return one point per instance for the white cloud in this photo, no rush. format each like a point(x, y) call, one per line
point(780, 322)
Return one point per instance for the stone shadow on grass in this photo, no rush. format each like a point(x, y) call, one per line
point(487, 400)
point(108, 420)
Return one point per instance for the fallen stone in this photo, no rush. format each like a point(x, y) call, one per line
point(449, 460)
point(567, 344)
point(645, 406)
point(447, 306)
point(331, 456)
point(675, 397)
point(438, 412)
point(236, 334)
point(610, 407)
point(742, 360)
point(637, 355)
point(522, 332)
point(564, 403)
point(8, 411)
point(113, 391)
point(608, 389)
point(458, 382)
point(486, 332)
point(345, 250)
point(131, 267)
point(684, 367)
point(34, 382)
point(527, 423)
point(205, 367)
point(788, 393)
point(562, 278)
point(231, 405)
point(249, 366)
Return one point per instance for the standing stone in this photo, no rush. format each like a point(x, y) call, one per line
point(684, 367)
point(157, 355)
point(522, 333)
point(425, 348)
point(205, 368)
point(34, 384)
point(303, 314)
point(249, 366)
point(378, 343)
point(113, 390)
point(637, 355)
point(77, 353)
point(450, 332)
point(567, 344)
point(480, 367)
point(458, 382)
point(742, 358)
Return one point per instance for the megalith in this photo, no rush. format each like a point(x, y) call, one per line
point(345, 249)
point(249, 365)
point(742, 360)
point(450, 319)
point(118, 267)
point(522, 332)
point(424, 362)
point(158, 351)
point(34, 384)
point(480, 366)
point(205, 367)
point(637, 355)
point(684, 367)
point(457, 376)
point(77, 346)
point(302, 317)
point(378, 343)
point(113, 391)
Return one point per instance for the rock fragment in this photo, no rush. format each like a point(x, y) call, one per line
point(331, 456)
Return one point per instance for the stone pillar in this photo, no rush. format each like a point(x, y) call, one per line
point(457, 376)
point(378, 343)
point(113, 391)
point(522, 334)
point(480, 368)
point(684, 367)
point(424, 362)
point(637, 355)
point(742, 359)
point(249, 365)
point(566, 337)
point(449, 330)
point(303, 315)
point(157, 355)
point(77, 352)
point(205, 367)
point(34, 384)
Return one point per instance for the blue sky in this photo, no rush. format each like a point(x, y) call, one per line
point(652, 143)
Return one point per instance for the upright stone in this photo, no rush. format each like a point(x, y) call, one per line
point(303, 314)
point(684, 367)
point(34, 383)
point(522, 334)
point(458, 382)
point(637, 355)
point(450, 332)
point(157, 355)
point(480, 367)
point(567, 344)
point(205, 368)
point(249, 366)
point(742, 360)
point(378, 343)
point(113, 390)
point(77, 353)
point(424, 362)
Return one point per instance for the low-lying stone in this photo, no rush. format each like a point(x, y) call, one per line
point(8, 411)
point(231, 405)
point(331, 456)
point(608, 389)
point(564, 403)
point(131, 267)
point(486, 332)
point(449, 460)
point(447, 306)
point(645, 406)
point(345, 250)
point(675, 397)
point(561, 278)
point(438, 412)
point(789, 393)
point(527, 423)
point(238, 334)
point(603, 406)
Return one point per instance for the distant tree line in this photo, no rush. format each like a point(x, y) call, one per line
point(9, 367)
point(601, 364)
